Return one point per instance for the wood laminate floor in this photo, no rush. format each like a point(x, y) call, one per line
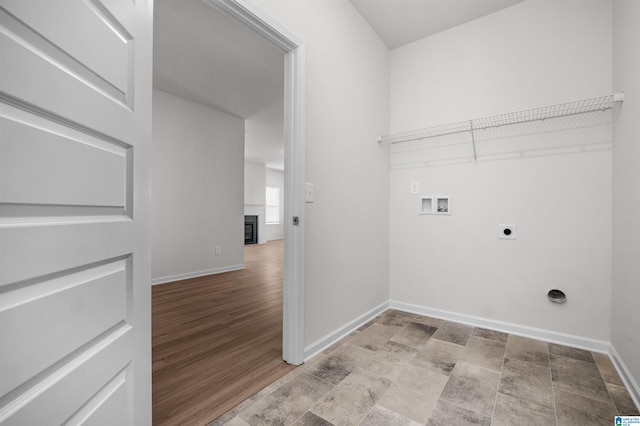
point(217, 340)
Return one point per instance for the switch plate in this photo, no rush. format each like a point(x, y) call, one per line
point(218, 250)
point(308, 193)
point(507, 232)
point(414, 188)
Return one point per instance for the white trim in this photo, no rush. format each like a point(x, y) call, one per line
point(253, 18)
point(172, 278)
point(625, 375)
point(520, 330)
point(340, 333)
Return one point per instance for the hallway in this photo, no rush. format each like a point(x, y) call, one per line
point(217, 339)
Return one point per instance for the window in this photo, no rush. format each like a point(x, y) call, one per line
point(272, 216)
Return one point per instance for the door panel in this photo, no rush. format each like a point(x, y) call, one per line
point(27, 153)
point(110, 61)
point(78, 308)
point(43, 78)
point(75, 385)
point(74, 212)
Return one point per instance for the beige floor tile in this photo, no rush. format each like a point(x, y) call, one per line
point(472, 387)
point(236, 421)
point(528, 350)
point(574, 410)
point(414, 393)
point(490, 334)
point(374, 337)
point(288, 403)
point(340, 363)
point(528, 382)
point(579, 354)
point(484, 353)
point(350, 401)
point(439, 356)
point(578, 377)
point(607, 370)
point(395, 318)
point(310, 419)
point(453, 332)
point(380, 416)
point(423, 319)
point(446, 414)
point(622, 400)
point(414, 335)
point(394, 352)
point(512, 411)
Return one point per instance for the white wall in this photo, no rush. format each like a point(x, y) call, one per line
point(275, 179)
point(626, 197)
point(535, 53)
point(255, 182)
point(197, 198)
point(347, 106)
point(264, 135)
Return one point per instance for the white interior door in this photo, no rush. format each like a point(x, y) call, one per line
point(75, 134)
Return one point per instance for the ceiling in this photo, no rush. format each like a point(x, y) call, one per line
point(399, 22)
point(204, 57)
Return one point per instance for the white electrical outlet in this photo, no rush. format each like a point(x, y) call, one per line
point(218, 250)
point(507, 232)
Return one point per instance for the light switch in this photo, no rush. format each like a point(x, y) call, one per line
point(308, 193)
point(414, 188)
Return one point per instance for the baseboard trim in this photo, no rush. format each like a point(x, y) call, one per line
point(625, 375)
point(172, 278)
point(520, 330)
point(340, 333)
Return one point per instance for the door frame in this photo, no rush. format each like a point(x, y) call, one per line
point(249, 15)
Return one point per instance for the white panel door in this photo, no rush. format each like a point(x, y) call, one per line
point(75, 135)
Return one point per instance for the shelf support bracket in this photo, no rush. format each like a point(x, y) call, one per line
point(473, 140)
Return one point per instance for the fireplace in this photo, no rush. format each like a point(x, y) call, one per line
point(251, 229)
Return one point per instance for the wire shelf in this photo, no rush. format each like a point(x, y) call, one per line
point(601, 103)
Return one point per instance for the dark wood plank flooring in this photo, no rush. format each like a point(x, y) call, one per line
point(217, 340)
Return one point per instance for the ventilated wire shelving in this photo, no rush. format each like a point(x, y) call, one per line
point(601, 103)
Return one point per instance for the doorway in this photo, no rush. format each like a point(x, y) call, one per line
point(291, 54)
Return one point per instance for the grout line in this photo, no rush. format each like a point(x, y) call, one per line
point(553, 393)
point(495, 401)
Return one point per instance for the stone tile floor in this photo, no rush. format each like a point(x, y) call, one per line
point(406, 369)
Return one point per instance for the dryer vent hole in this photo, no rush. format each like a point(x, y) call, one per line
point(557, 296)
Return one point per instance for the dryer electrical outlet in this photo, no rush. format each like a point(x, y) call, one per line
point(507, 232)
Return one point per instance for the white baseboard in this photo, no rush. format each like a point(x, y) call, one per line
point(164, 280)
point(520, 330)
point(625, 375)
point(331, 338)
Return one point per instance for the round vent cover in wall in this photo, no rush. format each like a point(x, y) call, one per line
point(556, 296)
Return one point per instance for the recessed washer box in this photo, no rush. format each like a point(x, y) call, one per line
point(507, 232)
point(426, 205)
point(435, 204)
